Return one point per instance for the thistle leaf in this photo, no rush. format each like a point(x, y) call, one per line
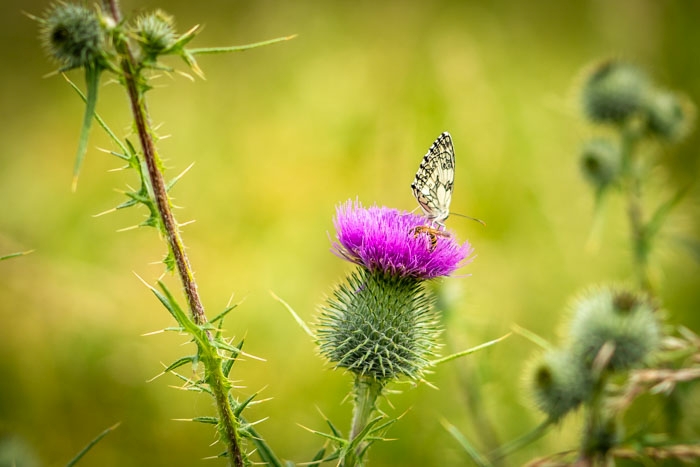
point(239, 409)
point(318, 457)
point(179, 362)
point(207, 420)
point(102, 123)
point(469, 351)
point(14, 255)
point(170, 305)
point(478, 459)
point(222, 315)
point(336, 432)
point(92, 79)
point(364, 435)
point(659, 216)
point(90, 445)
point(228, 363)
point(239, 48)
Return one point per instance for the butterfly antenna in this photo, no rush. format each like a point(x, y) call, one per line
point(468, 217)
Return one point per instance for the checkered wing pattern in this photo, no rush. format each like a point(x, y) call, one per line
point(434, 180)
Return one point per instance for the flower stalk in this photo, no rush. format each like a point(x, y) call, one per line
point(366, 390)
point(633, 186)
point(597, 437)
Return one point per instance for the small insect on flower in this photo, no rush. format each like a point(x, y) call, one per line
point(432, 234)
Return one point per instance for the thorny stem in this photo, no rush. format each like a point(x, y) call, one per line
point(138, 108)
point(215, 376)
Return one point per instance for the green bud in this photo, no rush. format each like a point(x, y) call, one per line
point(669, 115)
point(155, 33)
point(72, 34)
point(600, 162)
point(559, 383)
point(622, 317)
point(614, 91)
point(380, 326)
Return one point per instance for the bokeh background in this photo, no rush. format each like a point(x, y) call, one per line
point(280, 136)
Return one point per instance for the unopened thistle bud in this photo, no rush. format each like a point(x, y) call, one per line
point(600, 163)
point(155, 33)
point(559, 383)
point(381, 321)
point(622, 318)
point(669, 116)
point(614, 91)
point(72, 35)
point(379, 325)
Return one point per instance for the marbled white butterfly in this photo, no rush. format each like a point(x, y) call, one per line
point(432, 186)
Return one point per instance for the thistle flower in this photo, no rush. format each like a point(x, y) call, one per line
point(381, 322)
point(386, 240)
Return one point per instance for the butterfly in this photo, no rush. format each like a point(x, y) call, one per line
point(433, 186)
point(434, 180)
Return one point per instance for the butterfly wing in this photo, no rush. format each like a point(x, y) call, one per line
point(434, 180)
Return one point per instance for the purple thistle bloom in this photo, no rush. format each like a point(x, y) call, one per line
point(386, 240)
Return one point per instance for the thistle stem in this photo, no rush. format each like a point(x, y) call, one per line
point(635, 214)
point(140, 112)
point(366, 391)
point(599, 428)
point(215, 377)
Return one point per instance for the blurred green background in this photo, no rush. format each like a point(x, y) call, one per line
point(280, 136)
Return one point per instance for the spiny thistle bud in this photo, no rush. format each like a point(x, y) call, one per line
point(614, 91)
point(559, 383)
point(155, 33)
point(379, 325)
point(72, 34)
point(381, 321)
point(620, 317)
point(600, 163)
point(669, 116)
